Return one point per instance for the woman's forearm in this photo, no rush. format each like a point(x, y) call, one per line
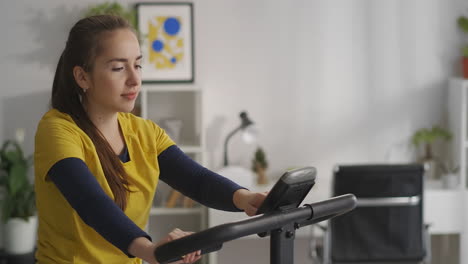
point(190, 178)
point(143, 248)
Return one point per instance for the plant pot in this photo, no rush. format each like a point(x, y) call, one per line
point(450, 180)
point(465, 67)
point(431, 172)
point(20, 235)
point(261, 176)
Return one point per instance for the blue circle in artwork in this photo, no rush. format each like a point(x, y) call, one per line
point(173, 60)
point(158, 45)
point(171, 26)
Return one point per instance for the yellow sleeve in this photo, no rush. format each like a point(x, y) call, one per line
point(56, 139)
point(163, 141)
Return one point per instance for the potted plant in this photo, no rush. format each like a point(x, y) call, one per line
point(463, 24)
point(426, 137)
point(259, 166)
point(18, 201)
point(449, 174)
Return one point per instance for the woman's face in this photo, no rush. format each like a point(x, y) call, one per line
point(115, 79)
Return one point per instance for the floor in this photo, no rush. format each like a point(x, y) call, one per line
point(445, 250)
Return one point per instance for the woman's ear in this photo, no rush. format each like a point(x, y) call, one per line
point(81, 78)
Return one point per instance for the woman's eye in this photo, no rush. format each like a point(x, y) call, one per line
point(117, 69)
point(138, 66)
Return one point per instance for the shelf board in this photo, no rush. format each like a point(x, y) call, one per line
point(175, 211)
point(151, 87)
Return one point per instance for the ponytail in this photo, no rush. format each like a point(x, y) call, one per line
point(81, 50)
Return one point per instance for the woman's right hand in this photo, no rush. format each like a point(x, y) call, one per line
point(143, 248)
point(176, 234)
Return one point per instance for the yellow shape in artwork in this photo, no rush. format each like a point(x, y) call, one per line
point(165, 50)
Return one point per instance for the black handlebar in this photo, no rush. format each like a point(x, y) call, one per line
point(212, 239)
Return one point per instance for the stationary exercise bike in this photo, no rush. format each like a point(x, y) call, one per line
point(278, 217)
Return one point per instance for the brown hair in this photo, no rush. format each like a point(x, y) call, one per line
point(81, 49)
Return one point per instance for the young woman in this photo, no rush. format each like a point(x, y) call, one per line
point(97, 166)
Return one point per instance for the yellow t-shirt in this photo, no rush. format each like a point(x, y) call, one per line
point(62, 236)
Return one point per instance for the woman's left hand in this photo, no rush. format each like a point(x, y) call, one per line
point(248, 201)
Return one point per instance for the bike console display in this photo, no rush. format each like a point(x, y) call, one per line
point(289, 191)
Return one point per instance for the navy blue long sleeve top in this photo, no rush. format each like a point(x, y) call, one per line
point(81, 189)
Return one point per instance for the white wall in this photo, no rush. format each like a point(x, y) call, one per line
point(327, 82)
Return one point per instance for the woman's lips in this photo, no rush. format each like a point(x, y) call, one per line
point(130, 96)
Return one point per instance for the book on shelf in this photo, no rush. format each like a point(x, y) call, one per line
point(176, 199)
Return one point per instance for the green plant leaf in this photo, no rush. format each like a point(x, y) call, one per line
point(11, 151)
point(259, 160)
point(428, 136)
point(12, 156)
point(31, 203)
point(465, 51)
point(17, 178)
point(7, 206)
point(113, 8)
point(5, 145)
point(19, 198)
point(463, 23)
point(24, 203)
point(3, 177)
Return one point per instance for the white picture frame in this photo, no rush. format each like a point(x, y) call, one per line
point(166, 40)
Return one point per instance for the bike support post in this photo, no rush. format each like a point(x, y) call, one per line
point(282, 245)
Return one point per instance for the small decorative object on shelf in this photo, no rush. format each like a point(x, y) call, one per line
point(18, 201)
point(174, 200)
point(259, 166)
point(427, 137)
point(463, 24)
point(449, 174)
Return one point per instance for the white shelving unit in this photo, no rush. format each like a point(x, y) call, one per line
point(458, 97)
point(182, 102)
point(458, 122)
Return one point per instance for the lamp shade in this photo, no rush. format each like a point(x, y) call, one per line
point(249, 134)
point(245, 121)
point(245, 126)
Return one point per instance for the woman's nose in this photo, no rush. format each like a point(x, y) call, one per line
point(134, 77)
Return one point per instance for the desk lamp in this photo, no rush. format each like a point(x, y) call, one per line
point(248, 135)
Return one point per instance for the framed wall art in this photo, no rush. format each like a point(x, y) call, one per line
point(166, 39)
